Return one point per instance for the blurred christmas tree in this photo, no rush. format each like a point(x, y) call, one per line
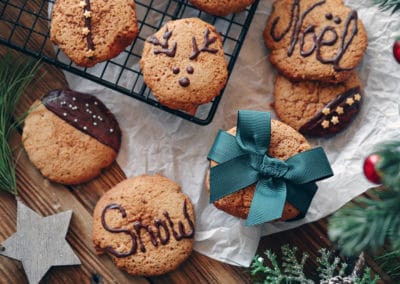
point(373, 224)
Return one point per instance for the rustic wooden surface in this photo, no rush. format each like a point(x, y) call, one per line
point(48, 198)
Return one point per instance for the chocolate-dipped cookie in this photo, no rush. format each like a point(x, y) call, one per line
point(317, 109)
point(93, 31)
point(184, 64)
point(320, 40)
point(146, 225)
point(70, 136)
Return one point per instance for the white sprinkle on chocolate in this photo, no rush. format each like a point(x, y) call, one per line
point(94, 116)
point(111, 130)
point(95, 103)
point(75, 120)
point(94, 123)
point(73, 98)
point(64, 114)
point(84, 128)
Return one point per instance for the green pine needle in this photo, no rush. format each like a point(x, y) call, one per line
point(393, 5)
point(15, 75)
point(368, 224)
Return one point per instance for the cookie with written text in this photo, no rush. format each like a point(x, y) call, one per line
point(93, 31)
point(184, 64)
point(146, 225)
point(320, 40)
point(315, 108)
point(221, 7)
point(70, 136)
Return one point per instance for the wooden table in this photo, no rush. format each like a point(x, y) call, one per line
point(48, 198)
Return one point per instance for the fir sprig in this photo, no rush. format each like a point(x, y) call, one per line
point(393, 5)
point(367, 224)
point(331, 269)
point(15, 75)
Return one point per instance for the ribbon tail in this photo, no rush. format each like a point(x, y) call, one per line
point(230, 177)
point(268, 201)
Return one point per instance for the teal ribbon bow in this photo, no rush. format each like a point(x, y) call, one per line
point(243, 160)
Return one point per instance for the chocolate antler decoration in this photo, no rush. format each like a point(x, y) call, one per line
point(207, 41)
point(167, 51)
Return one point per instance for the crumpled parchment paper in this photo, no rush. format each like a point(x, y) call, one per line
point(157, 142)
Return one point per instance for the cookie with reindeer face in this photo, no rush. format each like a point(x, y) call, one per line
point(320, 40)
point(317, 109)
point(184, 64)
point(221, 7)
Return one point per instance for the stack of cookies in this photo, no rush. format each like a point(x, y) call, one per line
point(316, 46)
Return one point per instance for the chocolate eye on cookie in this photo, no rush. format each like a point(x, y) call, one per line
point(184, 64)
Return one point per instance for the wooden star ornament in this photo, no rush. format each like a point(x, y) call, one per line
point(39, 242)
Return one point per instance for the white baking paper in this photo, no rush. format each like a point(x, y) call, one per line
point(157, 142)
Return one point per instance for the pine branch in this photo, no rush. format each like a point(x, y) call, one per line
point(367, 224)
point(385, 5)
point(389, 164)
point(15, 75)
point(330, 271)
point(389, 261)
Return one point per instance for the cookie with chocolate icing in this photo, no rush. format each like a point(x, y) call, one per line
point(317, 109)
point(146, 225)
point(221, 7)
point(70, 137)
point(320, 40)
point(285, 142)
point(184, 64)
point(90, 32)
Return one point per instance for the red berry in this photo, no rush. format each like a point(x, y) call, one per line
point(370, 171)
point(396, 50)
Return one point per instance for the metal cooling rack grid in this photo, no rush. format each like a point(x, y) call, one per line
point(30, 18)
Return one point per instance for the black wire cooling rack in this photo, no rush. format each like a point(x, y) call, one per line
point(24, 26)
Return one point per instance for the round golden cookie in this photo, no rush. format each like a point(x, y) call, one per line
point(93, 31)
point(184, 64)
point(221, 7)
point(146, 225)
point(317, 109)
point(285, 142)
point(320, 40)
point(70, 137)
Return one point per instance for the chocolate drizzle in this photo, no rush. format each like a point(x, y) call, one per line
point(335, 115)
point(86, 113)
point(158, 231)
point(204, 47)
point(109, 249)
point(170, 52)
point(295, 24)
point(88, 24)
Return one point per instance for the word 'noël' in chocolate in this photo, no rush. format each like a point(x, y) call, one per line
point(327, 36)
point(159, 231)
point(170, 52)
